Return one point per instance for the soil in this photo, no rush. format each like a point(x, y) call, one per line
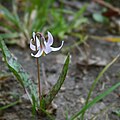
point(72, 96)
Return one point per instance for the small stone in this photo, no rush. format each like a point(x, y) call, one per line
point(81, 100)
point(63, 89)
point(76, 92)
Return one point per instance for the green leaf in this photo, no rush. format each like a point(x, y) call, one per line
point(9, 16)
point(9, 105)
point(97, 79)
point(9, 35)
point(41, 10)
point(19, 72)
point(98, 17)
point(99, 97)
point(117, 112)
point(55, 89)
point(95, 100)
point(78, 14)
point(33, 106)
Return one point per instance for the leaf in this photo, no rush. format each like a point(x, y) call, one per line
point(117, 112)
point(9, 105)
point(8, 15)
point(19, 72)
point(98, 17)
point(80, 12)
point(9, 35)
point(55, 89)
point(93, 86)
point(112, 39)
point(108, 38)
point(78, 18)
point(41, 11)
point(95, 100)
point(97, 79)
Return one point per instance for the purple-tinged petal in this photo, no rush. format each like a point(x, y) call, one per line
point(38, 54)
point(32, 47)
point(45, 43)
point(50, 39)
point(47, 49)
point(34, 35)
point(56, 49)
point(37, 42)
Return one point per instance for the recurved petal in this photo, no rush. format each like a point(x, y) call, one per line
point(37, 42)
point(34, 35)
point(32, 47)
point(38, 54)
point(50, 39)
point(56, 49)
point(47, 49)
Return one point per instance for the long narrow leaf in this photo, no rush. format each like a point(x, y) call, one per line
point(9, 105)
point(95, 100)
point(50, 96)
point(19, 72)
point(9, 35)
point(96, 81)
point(9, 16)
point(80, 12)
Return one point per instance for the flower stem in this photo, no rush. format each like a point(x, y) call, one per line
point(38, 70)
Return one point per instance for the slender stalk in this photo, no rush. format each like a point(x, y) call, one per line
point(38, 73)
point(9, 105)
point(38, 70)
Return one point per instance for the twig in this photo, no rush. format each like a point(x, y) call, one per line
point(101, 2)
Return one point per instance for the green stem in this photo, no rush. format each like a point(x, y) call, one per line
point(38, 70)
point(38, 73)
point(10, 105)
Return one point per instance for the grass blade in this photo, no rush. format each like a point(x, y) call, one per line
point(95, 100)
point(9, 35)
point(95, 82)
point(10, 105)
point(97, 79)
point(9, 16)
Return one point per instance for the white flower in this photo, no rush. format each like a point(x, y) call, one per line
point(41, 45)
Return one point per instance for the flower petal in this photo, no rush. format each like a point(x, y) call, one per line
point(56, 49)
point(47, 49)
point(38, 54)
point(37, 42)
point(32, 47)
point(50, 39)
point(34, 35)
